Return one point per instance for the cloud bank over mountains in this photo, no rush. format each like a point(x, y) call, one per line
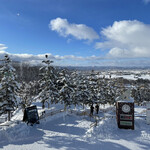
point(71, 60)
point(67, 60)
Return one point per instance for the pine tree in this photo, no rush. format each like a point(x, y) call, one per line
point(92, 86)
point(141, 93)
point(67, 90)
point(8, 88)
point(75, 82)
point(26, 91)
point(82, 93)
point(48, 86)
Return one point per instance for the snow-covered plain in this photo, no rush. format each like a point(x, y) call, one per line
point(129, 75)
point(75, 131)
point(132, 77)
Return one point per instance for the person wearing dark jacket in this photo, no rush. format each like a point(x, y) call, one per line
point(92, 109)
point(97, 108)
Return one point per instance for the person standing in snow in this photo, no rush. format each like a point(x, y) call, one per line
point(97, 108)
point(92, 109)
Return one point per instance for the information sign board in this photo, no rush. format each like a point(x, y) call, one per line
point(31, 115)
point(125, 114)
point(148, 113)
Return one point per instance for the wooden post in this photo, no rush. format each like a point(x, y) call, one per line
point(9, 115)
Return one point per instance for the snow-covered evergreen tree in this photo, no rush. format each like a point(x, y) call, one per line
point(141, 93)
point(83, 94)
point(101, 91)
point(8, 88)
point(48, 86)
point(92, 86)
point(25, 93)
point(67, 90)
point(75, 81)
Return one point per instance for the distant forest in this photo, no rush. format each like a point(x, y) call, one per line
point(27, 72)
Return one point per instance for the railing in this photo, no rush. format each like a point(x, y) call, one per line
point(46, 114)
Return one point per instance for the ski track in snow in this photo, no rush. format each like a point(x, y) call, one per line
point(65, 131)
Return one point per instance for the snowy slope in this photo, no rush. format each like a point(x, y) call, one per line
point(66, 131)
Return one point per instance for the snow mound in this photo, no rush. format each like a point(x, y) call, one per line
point(14, 132)
point(107, 129)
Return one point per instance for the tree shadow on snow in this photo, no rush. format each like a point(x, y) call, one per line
point(73, 140)
point(76, 144)
point(66, 125)
point(68, 135)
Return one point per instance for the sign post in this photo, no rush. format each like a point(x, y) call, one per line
point(148, 112)
point(125, 114)
point(125, 111)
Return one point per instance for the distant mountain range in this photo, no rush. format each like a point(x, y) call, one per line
point(87, 68)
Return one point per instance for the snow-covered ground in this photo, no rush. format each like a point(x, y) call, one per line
point(75, 131)
point(130, 75)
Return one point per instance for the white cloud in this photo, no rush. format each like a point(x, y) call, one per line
point(72, 60)
point(79, 31)
point(66, 60)
point(2, 47)
point(129, 39)
point(146, 1)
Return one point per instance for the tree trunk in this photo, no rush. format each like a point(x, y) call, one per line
point(48, 105)
point(65, 107)
point(9, 115)
point(83, 106)
point(43, 105)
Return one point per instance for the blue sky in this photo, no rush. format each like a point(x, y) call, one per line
point(77, 32)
